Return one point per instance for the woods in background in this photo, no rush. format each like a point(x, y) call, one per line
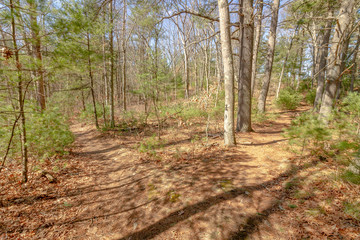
point(105, 57)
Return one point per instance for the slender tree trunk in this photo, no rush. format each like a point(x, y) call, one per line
point(257, 38)
point(269, 57)
point(245, 67)
point(355, 70)
point(105, 74)
point(299, 73)
point(111, 36)
point(186, 71)
point(36, 45)
point(92, 80)
point(24, 150)
point(229, 135)
point(341, 34)
point(124, 56)
point(285, 61)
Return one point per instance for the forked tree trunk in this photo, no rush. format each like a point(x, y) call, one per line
point(246, 50)
point(341, 34)
point(229, 135)
point(269, 57)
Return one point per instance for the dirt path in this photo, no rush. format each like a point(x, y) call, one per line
point(189, 190)
point(204, 192)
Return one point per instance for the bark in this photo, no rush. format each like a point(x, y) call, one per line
point(257, 38)
point(354, 71)
point(341, 34)
point(91, 81)
point(24, 150)
point(285, 61)
point(186, 71)
point(124, 57)
point(229, 136)
point(245, 68)
point(269, 57)
point(111, 36)
point(36, 46)
point(299, 74)
point(323, 54)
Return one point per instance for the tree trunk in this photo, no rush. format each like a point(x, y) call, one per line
point(299, 73)
point(36, 46)
point(355, 70)
point(111, 36)
point(257, 38)
point(323, 54)
point(21, 100)
point(245, 68)
point(124, 57)
point(229, 136)
point(270, 57)
point(341, 34)
point(186, 71)
point(285, 61)
point(92, 81)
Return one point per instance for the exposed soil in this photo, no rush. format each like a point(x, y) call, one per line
point(189, 189)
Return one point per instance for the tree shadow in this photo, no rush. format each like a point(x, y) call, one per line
point(250, 225)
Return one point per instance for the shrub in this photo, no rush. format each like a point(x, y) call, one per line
point(307, 130)
point(48, 133)
point(288, 99)
point(310, 96)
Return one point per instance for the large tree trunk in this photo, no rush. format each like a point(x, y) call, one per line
point(257, 38)
point(341, 34)
point(246, 51)
point(269, 57)
point(229, 135)
point(323, 54)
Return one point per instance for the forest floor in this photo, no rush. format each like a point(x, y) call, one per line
point(189, 188)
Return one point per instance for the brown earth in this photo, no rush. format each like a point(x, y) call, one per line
point(188, 189)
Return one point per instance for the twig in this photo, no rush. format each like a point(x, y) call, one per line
point(9, 143)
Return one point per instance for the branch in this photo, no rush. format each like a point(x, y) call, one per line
point(191, 13)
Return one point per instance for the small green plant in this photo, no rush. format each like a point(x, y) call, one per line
point(310, 96)
point(173, 196)
point(350, 176)
point(352, 209)
point(307, 130)
point(48, 133)
point(288, 99)
point(226, 185)
point(150, 144)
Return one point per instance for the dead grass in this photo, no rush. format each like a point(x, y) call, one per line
point(190, 187)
